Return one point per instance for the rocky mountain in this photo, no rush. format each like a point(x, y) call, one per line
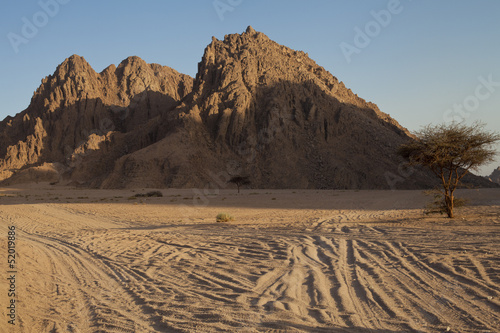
point(495, 176)
point(76, 116)
point(255, 108)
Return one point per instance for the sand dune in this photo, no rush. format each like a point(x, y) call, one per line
point(305, 261)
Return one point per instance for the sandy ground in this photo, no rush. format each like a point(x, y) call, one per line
point(291, 261)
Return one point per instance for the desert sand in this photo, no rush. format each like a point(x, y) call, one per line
point(291, 261)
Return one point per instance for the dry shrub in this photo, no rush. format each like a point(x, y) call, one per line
point(224, 217)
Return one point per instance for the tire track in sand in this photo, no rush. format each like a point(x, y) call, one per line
point(82, 288)
point(206, 277)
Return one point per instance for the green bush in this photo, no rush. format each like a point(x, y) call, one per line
point(224, 217)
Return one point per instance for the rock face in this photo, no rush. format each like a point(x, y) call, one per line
point(495, 176)
point(255, 108)
point(76, 113)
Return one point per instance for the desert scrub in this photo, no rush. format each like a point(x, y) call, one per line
point(439, 205)
point(156, 194)
point(224, 217)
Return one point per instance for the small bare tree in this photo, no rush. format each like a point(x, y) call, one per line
point(450, 152)
point(239, 181)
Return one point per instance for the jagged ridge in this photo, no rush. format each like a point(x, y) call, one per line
point(495, 176)
point(76, 110)
point(255, 108)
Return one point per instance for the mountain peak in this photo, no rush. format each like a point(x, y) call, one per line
point(250, 30)
point(133, 61)
point(495, 176)
point(75, 58)
point(73, 64)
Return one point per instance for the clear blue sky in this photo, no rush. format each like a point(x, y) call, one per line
point(416, 65)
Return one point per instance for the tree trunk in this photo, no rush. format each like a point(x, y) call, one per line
point(449, 204)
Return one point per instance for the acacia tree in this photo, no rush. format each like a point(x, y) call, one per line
point(450, 152)
point(239, 181)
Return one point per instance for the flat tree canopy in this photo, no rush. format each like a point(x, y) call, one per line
point(239, 181)
point(450, 152)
